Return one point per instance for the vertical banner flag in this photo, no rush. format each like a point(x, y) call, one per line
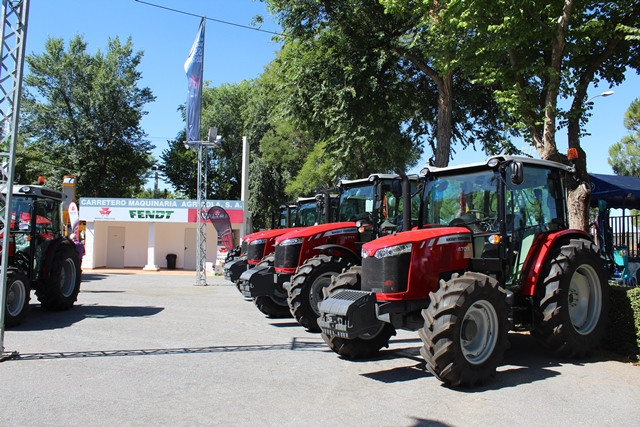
point(220, 220)
point(73, 217)
point(193, 66)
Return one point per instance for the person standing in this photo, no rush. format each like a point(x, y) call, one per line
point(79, 246)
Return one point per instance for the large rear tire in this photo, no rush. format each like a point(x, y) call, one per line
point(572, 300)
point(274, 306)
point(465, 330)
point(305, 293)
point(17, 296)
point(366, 345)
point(62, 282)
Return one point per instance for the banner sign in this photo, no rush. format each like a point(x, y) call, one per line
point(74, 219)
point(194, 69)
point(220, 220)
point(152, 210)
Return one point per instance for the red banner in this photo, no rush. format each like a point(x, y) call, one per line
point(220, 220)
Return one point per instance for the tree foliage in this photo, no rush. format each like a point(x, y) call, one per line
point(624, 155)
point(81, 113)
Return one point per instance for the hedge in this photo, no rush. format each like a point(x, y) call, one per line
point(623, 332)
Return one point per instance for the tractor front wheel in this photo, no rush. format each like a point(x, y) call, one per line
point(274, 306)
point(307, 284)
point(62, 281)
point(572, 300)
point(17, 295)
point(465, 329)
point(366, 345)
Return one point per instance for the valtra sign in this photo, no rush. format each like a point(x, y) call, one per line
point(152, 210)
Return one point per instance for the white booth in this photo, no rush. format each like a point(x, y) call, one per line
point(122, 233)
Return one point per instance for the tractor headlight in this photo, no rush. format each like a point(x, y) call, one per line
point(292, 241)
point(393, 251)
point(258, 242)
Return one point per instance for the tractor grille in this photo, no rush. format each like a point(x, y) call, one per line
point(385, 275)
point(287, 256)
point(255, 252)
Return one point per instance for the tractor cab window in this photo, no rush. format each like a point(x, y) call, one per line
point(469, 200)
point(307, 214)
point(21, 213)
point(47, 218)
point(533, 207)
point(357, 203)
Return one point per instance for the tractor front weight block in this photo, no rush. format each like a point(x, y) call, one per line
point(349, 314)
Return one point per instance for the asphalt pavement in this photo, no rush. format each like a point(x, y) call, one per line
point(155, 349)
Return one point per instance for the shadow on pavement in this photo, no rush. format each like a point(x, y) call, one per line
point(39, 319)
point(296, 344)
point(525, 362)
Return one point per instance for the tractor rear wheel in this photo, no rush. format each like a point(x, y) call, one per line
point(366, 345)
point(17, 295)
point(465, 329)
point(274, 306)
point(305, 293)
point(572, 299)
point(62, 282)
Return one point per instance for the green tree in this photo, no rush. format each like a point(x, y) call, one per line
point(82, 112)
point(624, 156)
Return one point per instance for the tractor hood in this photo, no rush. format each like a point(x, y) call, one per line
point(267, 234)
point(424, 236)
point(325, 229)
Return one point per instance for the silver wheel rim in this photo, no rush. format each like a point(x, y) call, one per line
point(68, 277)
point(16, 296)
point(479, 332)
point(584, 299)
point(316, 295)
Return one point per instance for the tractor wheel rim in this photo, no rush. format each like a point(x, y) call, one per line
point(584, 299)
point(68, 277)
point(479, 332)
point(315, 294)
point(15, 297)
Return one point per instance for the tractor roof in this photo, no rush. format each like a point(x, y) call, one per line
point(38, 191)
point(486, 164)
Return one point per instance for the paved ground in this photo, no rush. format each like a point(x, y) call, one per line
point(153, 349)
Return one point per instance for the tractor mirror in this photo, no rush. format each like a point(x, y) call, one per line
point(49, 205)
point(517, 173)
point(396, 188)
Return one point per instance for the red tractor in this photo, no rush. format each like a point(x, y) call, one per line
point(257, 248)
point(307, 259)
point(494, 253)
point(39, 257)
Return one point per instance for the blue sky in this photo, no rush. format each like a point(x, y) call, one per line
point(233, 54)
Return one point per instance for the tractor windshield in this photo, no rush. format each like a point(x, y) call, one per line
point(467, 199)
point(307, 214)
point(357, 202)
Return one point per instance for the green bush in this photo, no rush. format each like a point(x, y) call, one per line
point(623, 333)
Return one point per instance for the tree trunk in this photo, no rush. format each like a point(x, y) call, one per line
point(445, 120)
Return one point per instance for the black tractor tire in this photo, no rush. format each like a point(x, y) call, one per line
point(18, 292)
point(365, 346)
point(273, 306)
point(62, 282)
point(305, 293)
point(571, 301)
point(465, 331)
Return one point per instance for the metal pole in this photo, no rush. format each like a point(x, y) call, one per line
point(244, 192)
point(15, 15)
point(201, 234)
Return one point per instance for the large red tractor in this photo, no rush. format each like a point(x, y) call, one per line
point(39, 257)
point(307, 258)
point(257, 248)
point(494, 253)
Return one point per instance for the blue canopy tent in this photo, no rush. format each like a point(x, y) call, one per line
point(619, 192)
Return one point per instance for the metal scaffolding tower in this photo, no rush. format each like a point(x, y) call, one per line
point(201, 235)
point(12, 51)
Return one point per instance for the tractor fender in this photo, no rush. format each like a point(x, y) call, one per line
point(539, 253)
point(347, 253)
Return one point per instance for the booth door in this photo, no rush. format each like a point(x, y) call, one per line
point(190, 249)
point(115, 247)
